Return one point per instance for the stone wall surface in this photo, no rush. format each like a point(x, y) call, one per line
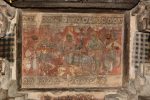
point(137, 88)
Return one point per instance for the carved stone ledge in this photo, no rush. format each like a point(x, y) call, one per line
point(108, 4)
point(143, 98)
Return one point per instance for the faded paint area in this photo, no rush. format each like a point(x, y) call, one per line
point(73, 97)
point(66, 50)
point(66, 95)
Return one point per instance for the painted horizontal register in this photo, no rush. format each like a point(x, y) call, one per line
point(72, 50)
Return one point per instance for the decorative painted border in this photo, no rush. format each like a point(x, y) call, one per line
point(125, 52)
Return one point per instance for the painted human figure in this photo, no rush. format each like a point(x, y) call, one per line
point(111, 57)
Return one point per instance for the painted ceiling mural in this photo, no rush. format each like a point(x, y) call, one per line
point(72, 50)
